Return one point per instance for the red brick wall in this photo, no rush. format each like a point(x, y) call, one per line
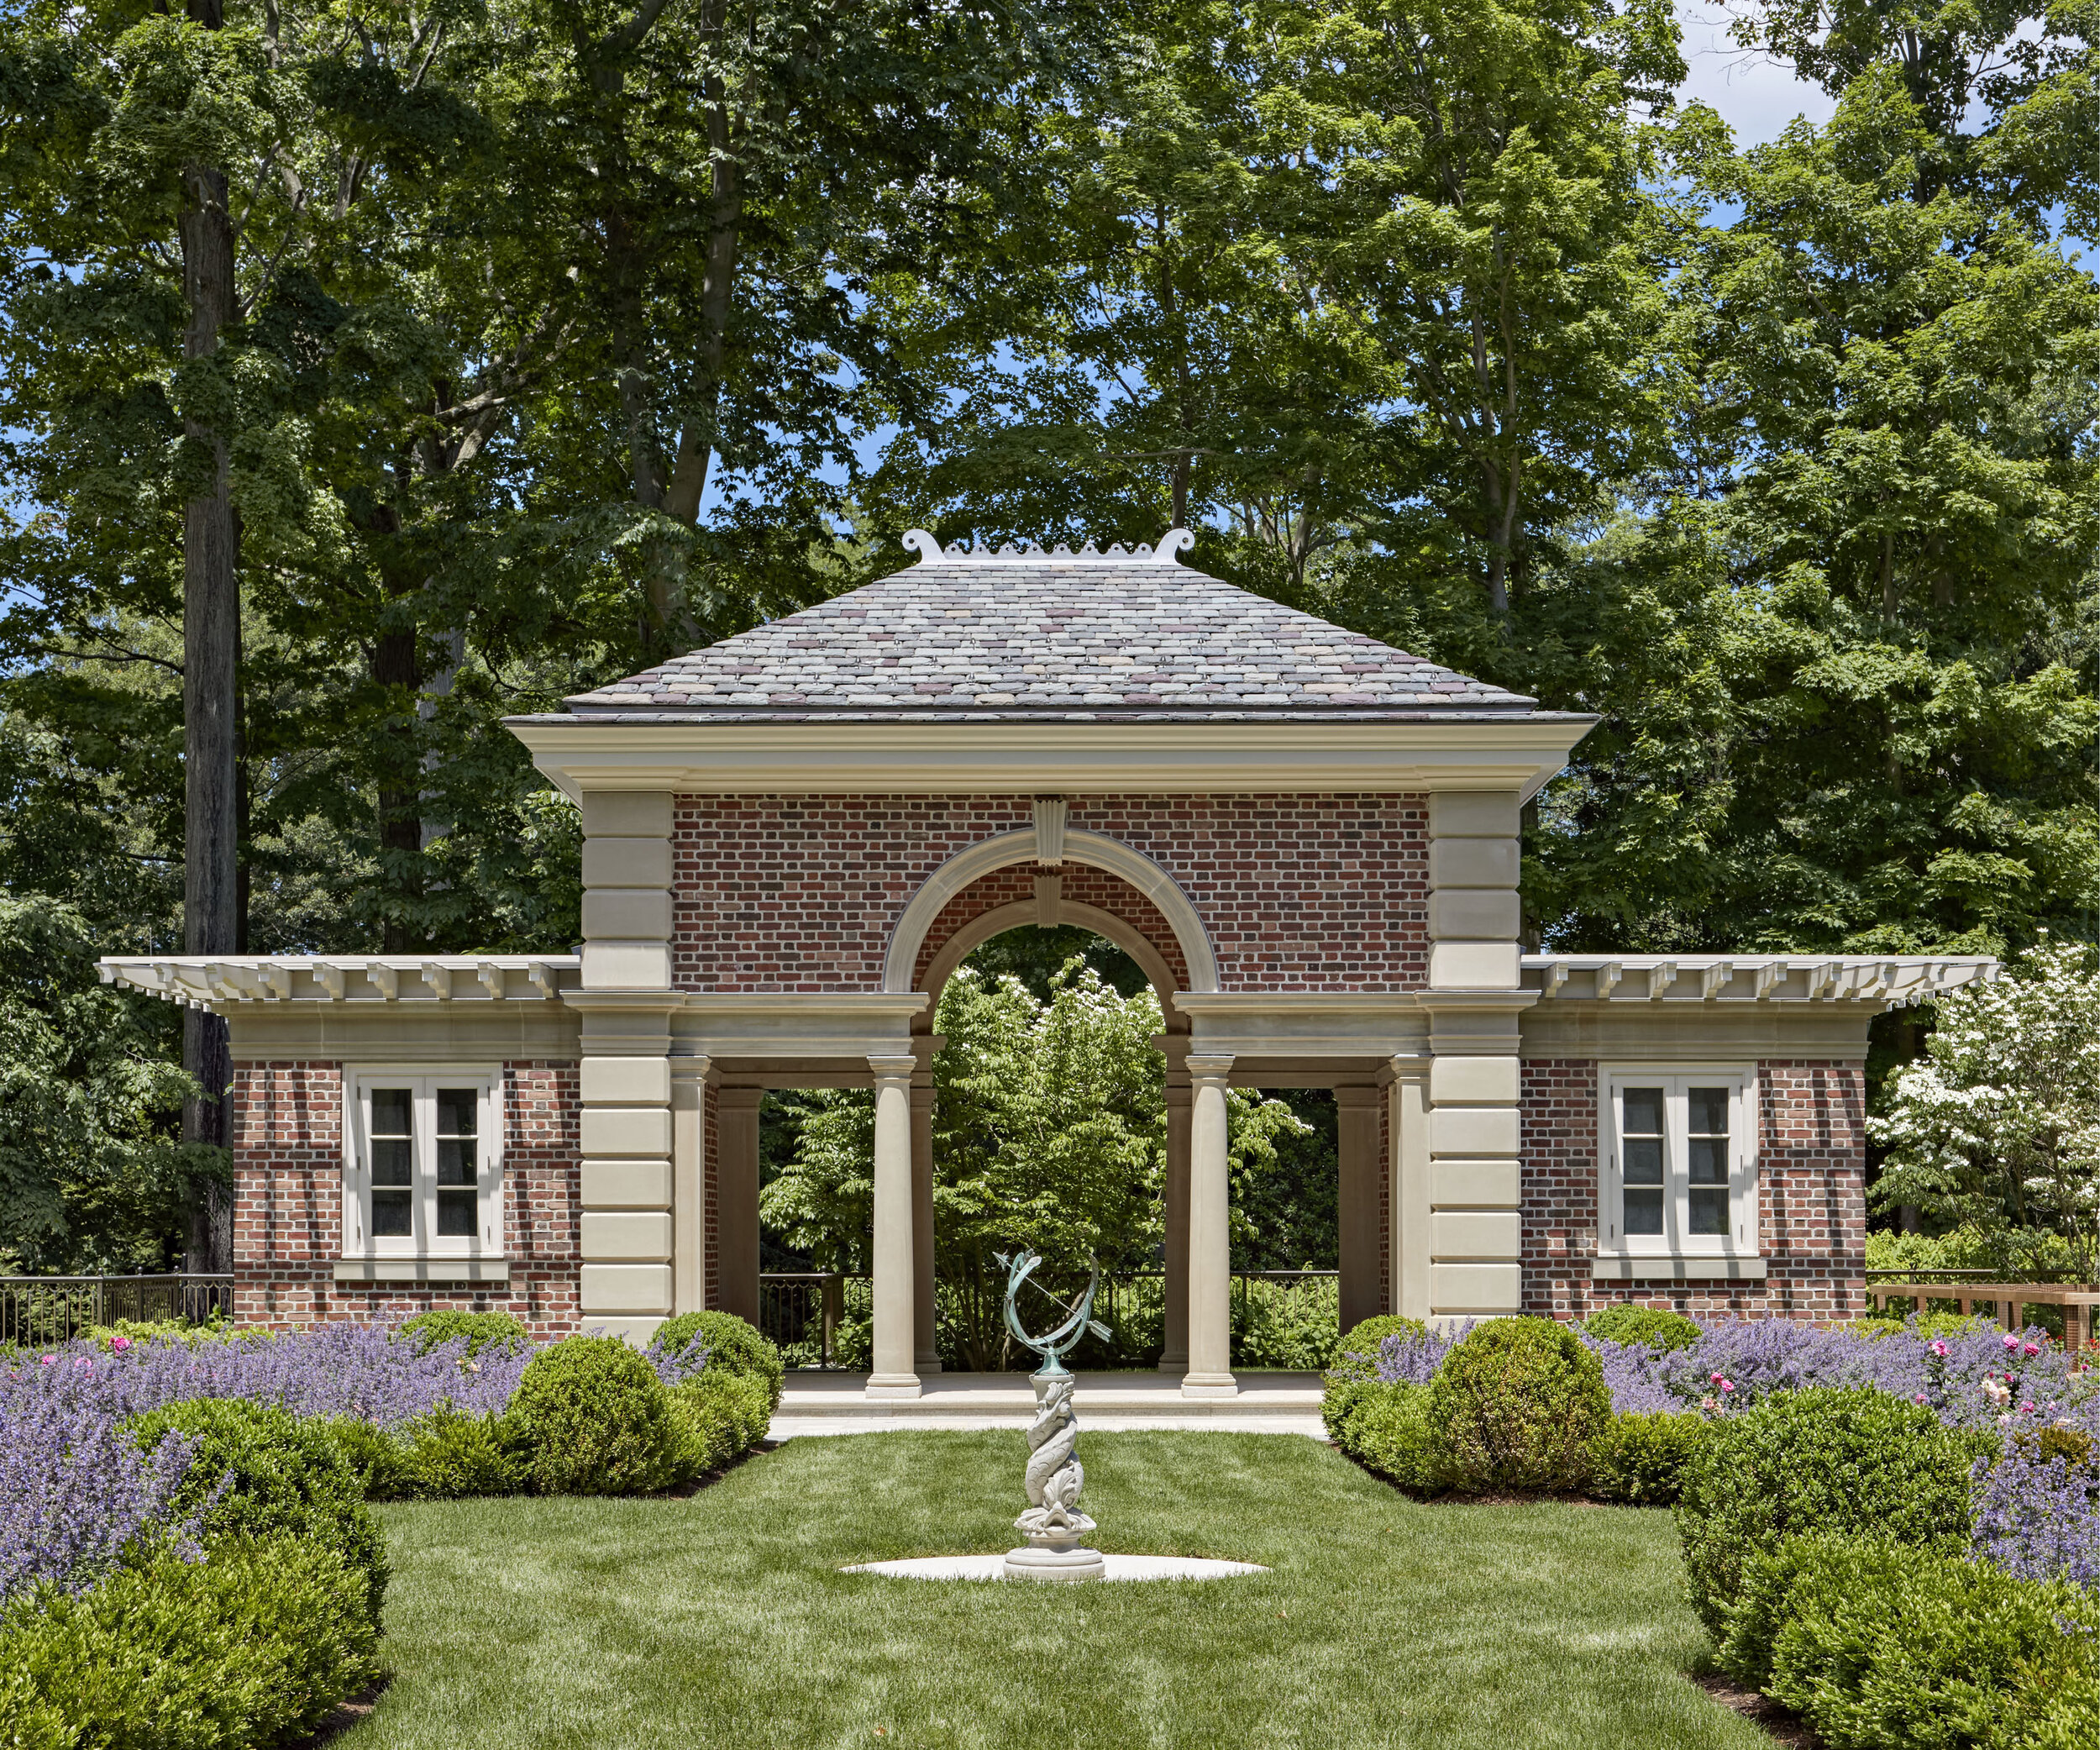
point(288, 1203)
point(1016, 884)
point(1812, 1203)
point(1297, 892)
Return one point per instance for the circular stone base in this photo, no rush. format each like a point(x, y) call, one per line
point(1113, 1568)
point(1071, 1564)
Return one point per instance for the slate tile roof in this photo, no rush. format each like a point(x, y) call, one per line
point(1080, 638)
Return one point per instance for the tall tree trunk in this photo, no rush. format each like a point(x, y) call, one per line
point(211, 633)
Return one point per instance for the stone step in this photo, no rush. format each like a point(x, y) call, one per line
point(836, 1403)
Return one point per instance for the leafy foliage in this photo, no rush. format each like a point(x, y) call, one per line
point(1653, 1328)
point(1852, 1461)
point(731, 1345)
point(592, 1418)
point(1641, 1458)
point(478, 1331)
point(1517, 1404)
point(255, 1644)
point(1998, 1127)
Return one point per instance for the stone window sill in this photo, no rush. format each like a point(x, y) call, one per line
point(422, 1270)
point(1621, 1269)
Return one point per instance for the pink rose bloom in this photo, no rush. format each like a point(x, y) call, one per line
point(1715, 1377)
point(1940, 1349)
point(2011, 1342)
point(51, 1361)
point(2031, 1349)
point(120, 1343)
point(1918, 1397)
point(1727, 1385)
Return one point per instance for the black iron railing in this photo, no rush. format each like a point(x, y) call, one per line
point(799, 1308)
point(55, 1309)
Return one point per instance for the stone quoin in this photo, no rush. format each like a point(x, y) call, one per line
point(1308, 840)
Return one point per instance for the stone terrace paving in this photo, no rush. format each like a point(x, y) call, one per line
point(1084, 635)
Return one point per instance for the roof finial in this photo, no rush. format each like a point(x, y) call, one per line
point(932, 552)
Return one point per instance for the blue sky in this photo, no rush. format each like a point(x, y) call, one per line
point(1756, 97)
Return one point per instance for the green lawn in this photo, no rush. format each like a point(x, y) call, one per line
point(722, 1620)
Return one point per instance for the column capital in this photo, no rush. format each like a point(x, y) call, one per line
point(892, 1066)
point(692, 1069)
point(1356, 1094)
point(1405, 1066)
point(1210, 1066)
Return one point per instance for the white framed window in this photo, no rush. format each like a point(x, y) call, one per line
point(424, 1164)
point(1678, 1172)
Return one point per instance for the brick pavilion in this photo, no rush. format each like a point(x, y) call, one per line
point(1308, 841)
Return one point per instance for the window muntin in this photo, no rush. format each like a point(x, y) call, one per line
point(424, 1175)
point(1678, 1172)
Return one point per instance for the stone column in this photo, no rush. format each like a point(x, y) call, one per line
point(625, 998)
point(1173, 1358)
point(1357, 1203)
point(737, 1201)
point(1209, 1373)
point(1476, 1265)
point(689, 1181)
point(924, 1320)
point(1407, 1097)
point(895, 1287)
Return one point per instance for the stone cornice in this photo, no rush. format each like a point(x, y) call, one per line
point(1517, 753)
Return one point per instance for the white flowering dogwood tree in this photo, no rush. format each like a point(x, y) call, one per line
point(1999, 1124)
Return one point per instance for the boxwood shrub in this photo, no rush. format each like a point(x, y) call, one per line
point(733, 1346)
point(1652, 1327)
point(253, 1644)
point(1884, 1646)
point(1392, 1432)
point(1518, 1403)
point(1843, 1459)
point(719, 1416)
point(1642, 1457)
point(275, 1475)
point(450, 1455)
point(590, 1417)
point(481, 1329)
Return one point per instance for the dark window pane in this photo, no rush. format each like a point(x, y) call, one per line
point(390, 1162)
point(389, 1112)
point(1643, 1157)
point(1643, 1109)
point(456, 1161)
point(458, 1109)
point(1643, 1211)
point(1710, 1210)
point(1708, 1109)
point(1709, 1162)
point(391, 1215)
point(456, 1213)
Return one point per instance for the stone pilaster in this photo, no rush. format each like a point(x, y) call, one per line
point(1407, 1097)
point(737, 1201)
point(688, 1183)
point(925, 1307)
point(1475, 1266)
point(1173, 1358)
point(625, 1082)
point(894, 1286)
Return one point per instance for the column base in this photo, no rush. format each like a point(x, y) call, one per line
point(893, 1385)
point(1209, 1385)
point(927, 1364)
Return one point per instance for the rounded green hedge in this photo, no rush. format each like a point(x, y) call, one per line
point(1642, 1457)
point(1846, 1459)
point(590, 1417)
point(481, 1329)
point(719, 1416)
point(1518, 1403)
point(283, 1478)
point(1653, 1328)
point(734, 1346)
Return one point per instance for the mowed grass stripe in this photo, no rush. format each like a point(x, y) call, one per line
point(723, 1620)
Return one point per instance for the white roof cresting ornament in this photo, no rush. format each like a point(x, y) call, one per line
point(932, 552)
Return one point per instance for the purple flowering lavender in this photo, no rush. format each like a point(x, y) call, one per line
point(673, 1365)
point(76, 1491)
point(367, 1371)
point(1633, 1374)
point(2038, 1518)
point(1413, 1360)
